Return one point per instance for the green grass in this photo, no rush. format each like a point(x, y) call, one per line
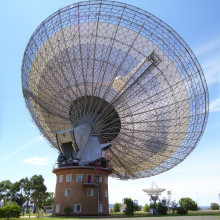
point(191, 213)
point(121, 215)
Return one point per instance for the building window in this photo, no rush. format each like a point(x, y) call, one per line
point(78, 208)
point(57, 207)
point(69, 178)
point(89, 192)
point(79, 178)
point(67, 192)
point(106, 179)
point(99, 179)
point(60, 178)
point(89, 178)
point(100, 208)
point(106, 193)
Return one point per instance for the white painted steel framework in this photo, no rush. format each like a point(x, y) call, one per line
point(126, 74)
point(154, 192)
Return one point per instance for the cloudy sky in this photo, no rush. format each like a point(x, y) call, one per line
point(23, 152)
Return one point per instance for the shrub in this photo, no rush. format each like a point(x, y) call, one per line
point(10, 211)
point(181, 210)
point(146, 208)
point(2, 212)
point(68, 210)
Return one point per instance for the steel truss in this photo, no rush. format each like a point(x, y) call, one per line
point(139, 84)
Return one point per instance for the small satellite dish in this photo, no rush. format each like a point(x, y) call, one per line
point(106, 79)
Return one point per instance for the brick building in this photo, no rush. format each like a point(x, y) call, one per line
point(83, 188)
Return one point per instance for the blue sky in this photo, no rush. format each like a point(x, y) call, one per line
point(23, 152)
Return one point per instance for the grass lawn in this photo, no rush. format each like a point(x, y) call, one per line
point(190, 213)
point(121, 215)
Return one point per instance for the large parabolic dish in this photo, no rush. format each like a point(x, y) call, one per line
point(124, 72)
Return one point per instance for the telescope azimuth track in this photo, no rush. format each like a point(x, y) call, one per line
point(123, 72)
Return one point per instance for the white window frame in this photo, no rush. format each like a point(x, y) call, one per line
point(99, 178)
point(60, 178)
point(68, 178)
point(57, 208)
point(75, 210)
point(91, 192)
point(100, 208)
point(77, 177)
point(106, 193)
point(106, 179)
point(66, 192)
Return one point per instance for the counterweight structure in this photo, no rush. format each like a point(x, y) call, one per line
point(112, 86)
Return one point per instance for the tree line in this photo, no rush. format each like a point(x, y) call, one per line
point(160, 207)
point(26, 192)
point(182, 207)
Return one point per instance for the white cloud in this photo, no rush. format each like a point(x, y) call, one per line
point(207, 47)
point(21, 148)
point(214, 105)
point(211, 69)
point(36, 161)
point(210, 54)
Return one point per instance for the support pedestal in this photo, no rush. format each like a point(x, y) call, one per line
point(83, 189)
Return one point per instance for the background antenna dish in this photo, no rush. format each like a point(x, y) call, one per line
point(103, 76)
point(154, 192)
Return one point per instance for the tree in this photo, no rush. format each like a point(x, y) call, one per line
point(188, 204)
point(9, 202)
point(136, 206)
point(162, 207)
point(173, 206)
point(38, 194)
point(27, 191)
point(48, 200)
point(214, 206)
point(5, 190)
point(117, 207)
point(130, 206)
point(153, 205)
point(146, 208)
point(140, 208)
point(17, 192)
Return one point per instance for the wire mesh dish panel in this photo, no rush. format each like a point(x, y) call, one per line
point(127, 74)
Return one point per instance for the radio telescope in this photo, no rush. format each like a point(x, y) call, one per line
point(110, 84)
point(154, 192)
